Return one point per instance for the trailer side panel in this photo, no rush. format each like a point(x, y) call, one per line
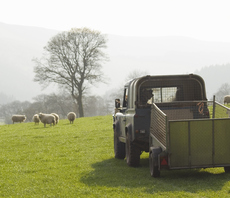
point(199, 143)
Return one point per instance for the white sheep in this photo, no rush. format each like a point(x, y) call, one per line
point(18, 118)
point(47, 119)
point(71, 117)
point(227, 99)
point(56, 117)
point(36, 119)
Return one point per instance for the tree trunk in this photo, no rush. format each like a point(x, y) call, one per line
point(80, 107)
point(79, 104)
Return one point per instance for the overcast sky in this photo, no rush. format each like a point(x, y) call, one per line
point(201, 19)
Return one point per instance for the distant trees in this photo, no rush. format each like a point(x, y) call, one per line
point(94, 105)
point(223, 90)
point(72, 60)
point(54, 103)
point(135, 74)
point(61, 103)
point(15, 107)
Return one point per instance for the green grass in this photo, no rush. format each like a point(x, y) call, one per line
point(220, 112)
point(77, 160)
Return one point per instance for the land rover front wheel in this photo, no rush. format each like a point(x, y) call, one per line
point(132, 152)
point(119, 147)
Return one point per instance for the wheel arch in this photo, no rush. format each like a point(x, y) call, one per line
point(116, 127)
point(128, 129)
point(155, 151)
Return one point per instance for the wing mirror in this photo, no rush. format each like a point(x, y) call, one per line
point(117, 103)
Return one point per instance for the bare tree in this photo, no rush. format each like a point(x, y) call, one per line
point(72, 60)
point(135, 74)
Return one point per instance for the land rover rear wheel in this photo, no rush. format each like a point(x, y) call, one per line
point(227, 169)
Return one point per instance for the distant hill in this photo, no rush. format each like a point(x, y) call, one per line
point(171, 55)
point(214, 76)
point(156, 55)
point(18, 45)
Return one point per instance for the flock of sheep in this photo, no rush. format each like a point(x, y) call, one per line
point(51, 119)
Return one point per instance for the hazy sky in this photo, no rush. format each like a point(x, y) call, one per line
point(201, 19)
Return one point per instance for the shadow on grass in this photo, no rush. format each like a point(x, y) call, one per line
point(116, 173)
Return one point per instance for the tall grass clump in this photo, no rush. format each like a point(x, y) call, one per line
point(77, 160)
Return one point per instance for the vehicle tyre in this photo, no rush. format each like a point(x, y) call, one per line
point(153, 161)
point(227, 169)
point(119, 147)
point(132, 152)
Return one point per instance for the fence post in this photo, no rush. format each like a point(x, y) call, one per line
point(213, 107)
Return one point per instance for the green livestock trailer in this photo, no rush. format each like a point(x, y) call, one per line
point(178, 141)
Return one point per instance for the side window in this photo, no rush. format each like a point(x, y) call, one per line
point(169, 94)
point(157, 95)
point(125, 98)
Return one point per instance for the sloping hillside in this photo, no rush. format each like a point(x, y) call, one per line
point(155, 55)
point(18, 46)
point(77, 160)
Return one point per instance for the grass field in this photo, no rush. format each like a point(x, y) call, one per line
point(77, 160)
point(220, 112)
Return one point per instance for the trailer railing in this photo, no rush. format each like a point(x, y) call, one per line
point(186, 110)
point(218, 110)
point(158, 127)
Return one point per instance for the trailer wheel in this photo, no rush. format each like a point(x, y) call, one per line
point(132, 152)
point(227, 169)
point(119, 147)
point(153, 161)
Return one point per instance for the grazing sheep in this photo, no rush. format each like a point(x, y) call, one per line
point(71, 117)
point(47, 119)
point(36, 119)
point(56, 117)
point(18, 118)
point(227, 99)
